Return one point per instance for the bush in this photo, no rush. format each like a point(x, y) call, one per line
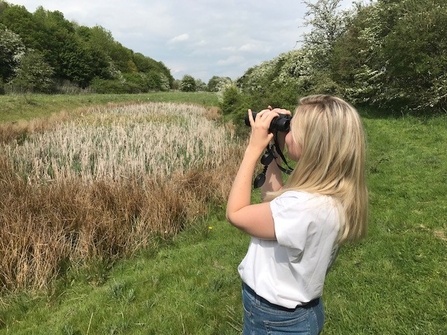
point(33, 74)
point(216, 84)
point(107, 86)
point(188, 84)
point(68, 87)
point(393, 55)
point(234, 105)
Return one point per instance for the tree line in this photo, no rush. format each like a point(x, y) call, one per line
point(387, 54)
point(44, 52)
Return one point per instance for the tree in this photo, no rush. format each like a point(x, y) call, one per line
point(3, 6)
point(230, 100)
point(216, 84)
point(415, 51)
point(11, 50)
point(165, 82)
point(393, 55)
point(160, 76)
point(21, 22)
point(188, 84)
point(200, 85)
point(234, 106)
point(76, 54)
point(62, 48)
point(327, 26)
point(167, 74)
point(33, 74)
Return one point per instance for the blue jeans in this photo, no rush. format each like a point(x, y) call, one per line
point(264, 318)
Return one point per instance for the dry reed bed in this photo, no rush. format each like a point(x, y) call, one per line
point(123, 141)
point(103, 184)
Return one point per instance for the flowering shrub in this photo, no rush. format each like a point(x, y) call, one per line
point(12, 50)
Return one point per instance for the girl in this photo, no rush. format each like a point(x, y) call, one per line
point(297, 229)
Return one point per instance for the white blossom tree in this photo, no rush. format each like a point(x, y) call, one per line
point(33, 74)
point(12, 50)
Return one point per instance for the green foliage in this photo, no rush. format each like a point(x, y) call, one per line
point(387, 54)
point(397, 54)
point(77, 54)
point(11, 49)
point(216, 84)
point(420, 34)
point(103, 86)
point(33, 74)
point(234, 105)
point(21, 22)
point(200, 85)
point(165, 82)
point(188, 84)
point(328, 25)
point(231, 100)
point(281, 81)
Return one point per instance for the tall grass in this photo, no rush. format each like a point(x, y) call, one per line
point(105, 184)
point(115, 143)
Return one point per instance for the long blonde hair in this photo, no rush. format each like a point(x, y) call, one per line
point(332, 161)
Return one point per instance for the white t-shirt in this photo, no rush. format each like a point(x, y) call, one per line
point(291, 271)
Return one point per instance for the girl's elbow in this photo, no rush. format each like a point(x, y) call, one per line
point(231, 218)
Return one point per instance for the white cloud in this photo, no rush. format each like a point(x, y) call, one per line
point(229, 49)
point(249, 47)
point(231, 60)
point(179, 38)
point(200, 43)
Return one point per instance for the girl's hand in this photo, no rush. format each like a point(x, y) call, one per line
point(260, 136)
point(281, 136)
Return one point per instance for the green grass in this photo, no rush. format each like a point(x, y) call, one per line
point(26, 107)
point(393, 282)
point(190, 286)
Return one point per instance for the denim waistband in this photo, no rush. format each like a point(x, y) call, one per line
point(309, 304)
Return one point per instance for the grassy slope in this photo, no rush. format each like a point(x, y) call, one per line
point(391, 283)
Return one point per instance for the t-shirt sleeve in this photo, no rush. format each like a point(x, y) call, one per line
point(292, 219)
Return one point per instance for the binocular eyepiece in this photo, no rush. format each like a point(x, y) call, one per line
point(279, 123)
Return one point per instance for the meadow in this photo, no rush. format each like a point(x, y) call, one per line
point(104, 183)
point(136, 254)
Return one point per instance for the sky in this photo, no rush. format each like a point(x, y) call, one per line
point(201, 38)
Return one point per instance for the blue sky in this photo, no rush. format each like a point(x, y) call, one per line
point(202, 38)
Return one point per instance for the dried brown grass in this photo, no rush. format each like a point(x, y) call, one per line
point(48, 226)
point(18, 130)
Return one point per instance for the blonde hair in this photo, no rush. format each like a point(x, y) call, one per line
point(332, 161)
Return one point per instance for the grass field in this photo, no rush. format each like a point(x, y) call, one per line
point(393, 282)
point(26, 107)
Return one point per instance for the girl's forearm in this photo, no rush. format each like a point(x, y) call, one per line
point(240, 193)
